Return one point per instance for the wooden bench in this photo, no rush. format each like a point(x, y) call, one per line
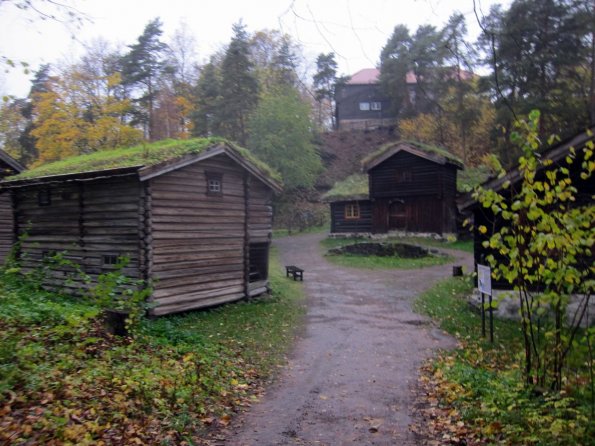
point(295, 272)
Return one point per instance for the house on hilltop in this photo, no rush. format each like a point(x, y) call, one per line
point(194, 218)
point(8, 166)
point(362, 105)
point(409, 187)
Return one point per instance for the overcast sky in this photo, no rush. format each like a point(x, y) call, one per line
point(356, 30)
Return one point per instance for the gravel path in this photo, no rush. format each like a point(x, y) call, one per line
point(351, 375)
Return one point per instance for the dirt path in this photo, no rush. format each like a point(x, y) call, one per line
point(350, 377)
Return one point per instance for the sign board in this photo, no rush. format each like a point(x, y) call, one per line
point(484, 279)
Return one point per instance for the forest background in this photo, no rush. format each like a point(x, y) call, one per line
point(256, 91)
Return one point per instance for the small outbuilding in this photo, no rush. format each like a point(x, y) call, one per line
point(8, 166)
point(408, 186)
point(193, 217)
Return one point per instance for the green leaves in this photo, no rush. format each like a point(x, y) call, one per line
point(542, 241)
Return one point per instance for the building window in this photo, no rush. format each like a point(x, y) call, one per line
point(214, 183)
point(44, 197)
point(110, 259)
point(364, 106)
point(376, 106)
point(351, 211)
point(403, 176)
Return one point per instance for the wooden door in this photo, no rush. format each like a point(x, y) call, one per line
point(397, 216)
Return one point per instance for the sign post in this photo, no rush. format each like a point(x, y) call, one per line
point(484, 284)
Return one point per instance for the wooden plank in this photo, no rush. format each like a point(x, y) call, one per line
point(196, 304)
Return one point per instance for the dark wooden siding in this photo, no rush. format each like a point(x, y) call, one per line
point(6, 225)
point(411, 193)
point(199, 240)
point(84, 220)
point(348, 112)
point(260, 227)
point(6, 216)
point(340, 224)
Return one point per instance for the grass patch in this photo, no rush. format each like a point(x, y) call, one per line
point(479, 386)
point(377, 262)
point(64, 380)
point(459, 245)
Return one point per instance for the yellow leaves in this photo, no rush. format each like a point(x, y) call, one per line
point(482, 229)
point(69, 120)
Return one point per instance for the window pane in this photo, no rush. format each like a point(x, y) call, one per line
point(364, 106)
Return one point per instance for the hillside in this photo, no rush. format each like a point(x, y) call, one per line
point(342, 152)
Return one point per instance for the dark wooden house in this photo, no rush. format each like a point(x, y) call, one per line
point(557, 155)
point(409, 187)
point(8, 166)
point(193, 217)
point(360, 103)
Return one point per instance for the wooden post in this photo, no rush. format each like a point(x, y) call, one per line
point(483, 316)
point(491, 320)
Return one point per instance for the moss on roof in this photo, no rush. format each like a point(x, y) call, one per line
point(433, 150)
point(142, 155)
point(472, 177)
point(354, 187)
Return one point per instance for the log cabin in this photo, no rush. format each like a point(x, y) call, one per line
point(557, 154)
point(8, 166)
point(193, 217)
point(408, 186)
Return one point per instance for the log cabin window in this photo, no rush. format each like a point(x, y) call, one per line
point(259, 262)
point(110, 259)
point(376, 106)
point(352, 211)
point(364, 106)
point(403, 176)
point(44, 197)
point(214, 183)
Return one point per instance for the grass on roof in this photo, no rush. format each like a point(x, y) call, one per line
point(354, 187)
point(418, 145)
point(146, 154)
point(470, 178)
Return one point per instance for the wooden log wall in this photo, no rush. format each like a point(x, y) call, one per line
point(6, 225)
point(198, 239)
point(427, 189)
point(86, 220)
point(260, 231)
point(6, 215)
point(341, 224)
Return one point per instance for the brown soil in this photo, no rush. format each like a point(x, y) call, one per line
point(351, 376)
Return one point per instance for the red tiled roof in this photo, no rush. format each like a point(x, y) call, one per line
point(365, 76)
point(372, 76)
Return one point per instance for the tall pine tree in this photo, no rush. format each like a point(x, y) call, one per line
point(141, 70)
point(239, 87)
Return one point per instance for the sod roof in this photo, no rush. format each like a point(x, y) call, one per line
point(354, 187)
point(433, 153)
point(141, 156)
